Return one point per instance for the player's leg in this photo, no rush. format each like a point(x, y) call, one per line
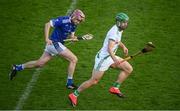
point(126, 71)
point(96, 76)
point(38, 63)
point(31, 64)
point(102, 64)
point(68, 55)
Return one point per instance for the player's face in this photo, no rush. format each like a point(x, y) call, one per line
point(122, 25)
point(77, 20)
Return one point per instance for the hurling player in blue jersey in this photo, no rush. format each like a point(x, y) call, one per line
point(64, 27)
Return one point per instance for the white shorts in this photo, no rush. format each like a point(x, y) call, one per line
point(102, 63)
point(54, 48)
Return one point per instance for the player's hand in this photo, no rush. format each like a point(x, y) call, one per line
point(74, 39)
point(125, 50)
point(117, 61)
point(49, 42)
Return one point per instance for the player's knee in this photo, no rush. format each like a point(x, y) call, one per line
point(130, 69)
point(74, 59)
point(94, 81)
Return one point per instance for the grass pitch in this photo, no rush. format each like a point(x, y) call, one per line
point(154, 83)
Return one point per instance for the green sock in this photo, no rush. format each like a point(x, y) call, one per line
point(116, 84)
point(76, 93)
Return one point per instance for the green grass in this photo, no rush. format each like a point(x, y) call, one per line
point(154, 83)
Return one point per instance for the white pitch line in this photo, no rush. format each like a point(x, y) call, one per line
point(36, 73)
point(28, 89)
point(72, 7)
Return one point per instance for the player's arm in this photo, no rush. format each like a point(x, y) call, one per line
point(111, 44)
point(46, 32)
point(73, 37)
point(125, 50)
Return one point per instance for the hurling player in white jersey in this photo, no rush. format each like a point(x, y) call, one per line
point(106, 58)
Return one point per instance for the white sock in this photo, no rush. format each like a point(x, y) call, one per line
point(22, 66)
point(70, 77)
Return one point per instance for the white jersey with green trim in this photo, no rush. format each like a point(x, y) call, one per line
point(113, 34)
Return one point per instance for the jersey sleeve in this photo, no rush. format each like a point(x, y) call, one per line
point(112, 36)
point(56, 22)
point(113, 33)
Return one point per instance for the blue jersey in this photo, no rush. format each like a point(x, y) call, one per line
point(62, 28)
